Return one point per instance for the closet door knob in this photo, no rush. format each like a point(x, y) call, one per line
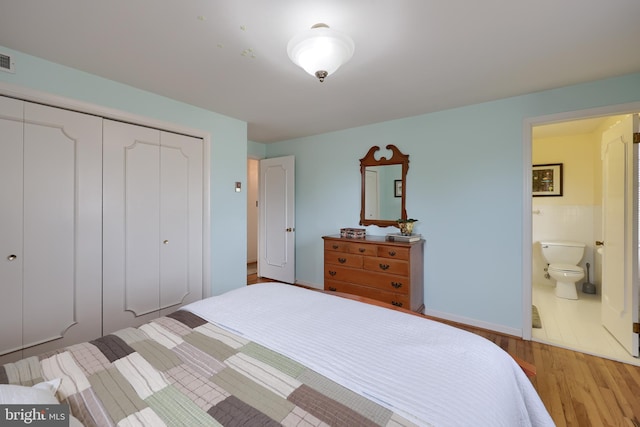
point(165, 242)
point(12, 257)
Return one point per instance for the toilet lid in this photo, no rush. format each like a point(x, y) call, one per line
point(565, 267)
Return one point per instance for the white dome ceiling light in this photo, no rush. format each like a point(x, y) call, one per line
point(320, 51)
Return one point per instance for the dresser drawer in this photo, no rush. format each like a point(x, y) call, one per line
point(337, 246)
point(363, 249)
point(386, 265)
point(342, 258)
point(352, 247)
point(399, 300)
point(364, 278)
point(394, 252)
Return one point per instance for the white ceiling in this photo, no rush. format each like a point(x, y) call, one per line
point(412, 56)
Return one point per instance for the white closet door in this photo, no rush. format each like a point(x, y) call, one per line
point(53, 224)
point(152, 222)
point(11, 126)
point(131, 225)
point(181, 220)
point(62, 227)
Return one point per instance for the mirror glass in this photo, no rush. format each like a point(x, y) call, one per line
point(383, 187)
point(381, 198)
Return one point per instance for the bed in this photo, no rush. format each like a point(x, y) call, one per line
point(276, 354)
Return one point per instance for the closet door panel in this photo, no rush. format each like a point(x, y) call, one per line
point(142, 225)
point(49, 233)
point(131, 237)
point(62, 227)
point(174, 261)
point(181, 220)
point(11, 129)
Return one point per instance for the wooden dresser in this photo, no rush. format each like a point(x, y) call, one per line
point(392, 272)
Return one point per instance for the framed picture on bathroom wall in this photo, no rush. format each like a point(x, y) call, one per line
point(397, 187)
point(547, 180)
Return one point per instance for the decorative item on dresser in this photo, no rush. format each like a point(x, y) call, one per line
point(374, 267)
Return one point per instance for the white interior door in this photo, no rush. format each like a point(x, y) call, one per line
point(371, 200)
point(277, 219)
point(620, 214)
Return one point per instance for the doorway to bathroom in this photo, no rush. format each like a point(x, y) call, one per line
point(576, 211)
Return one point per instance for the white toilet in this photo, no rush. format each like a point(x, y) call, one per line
point(563, 258)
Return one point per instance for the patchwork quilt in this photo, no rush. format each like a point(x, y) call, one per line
point(180, 370)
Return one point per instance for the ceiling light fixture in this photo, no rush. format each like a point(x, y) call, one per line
point(320, 51)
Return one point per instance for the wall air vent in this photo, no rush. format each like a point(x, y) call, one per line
point(6, 63)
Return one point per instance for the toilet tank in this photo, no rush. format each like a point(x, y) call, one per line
point(562, 251)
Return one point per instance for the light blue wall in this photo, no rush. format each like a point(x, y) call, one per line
point(465, 186)
point(228, 149)
point(256, 150)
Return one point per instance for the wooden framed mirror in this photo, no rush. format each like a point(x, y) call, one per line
point(384, 184)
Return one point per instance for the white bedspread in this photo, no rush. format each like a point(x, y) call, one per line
point(428, 372)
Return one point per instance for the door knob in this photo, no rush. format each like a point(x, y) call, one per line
point(289, 230)
point(165, 242)
point(12, 257)
point(599, 243)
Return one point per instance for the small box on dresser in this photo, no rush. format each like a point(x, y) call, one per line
point(373, 267)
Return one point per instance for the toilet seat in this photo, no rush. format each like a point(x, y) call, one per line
point(566, 276)
point(566, 268)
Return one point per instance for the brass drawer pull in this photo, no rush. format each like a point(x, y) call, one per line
point(342, 260)
point(396, 285)
point(384, 266)
point(361, 250)
point(334, 246)
point(331, 288)
point(392, 253)
point(396, 303)
point(332, 273)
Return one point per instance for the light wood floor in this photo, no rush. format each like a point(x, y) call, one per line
point(578, 389)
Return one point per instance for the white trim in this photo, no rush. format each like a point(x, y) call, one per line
point(206, 217)
point(28, 94)
point(527, 232)
point(31, 95)
point(527, 238)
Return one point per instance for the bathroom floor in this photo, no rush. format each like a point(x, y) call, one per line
point(575, 324)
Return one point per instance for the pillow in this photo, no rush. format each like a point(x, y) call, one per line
point(43, 393)
point(74, 422)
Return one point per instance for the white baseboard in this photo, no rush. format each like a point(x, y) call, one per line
point(446, 316)
point(474, 322)
point(311, 285)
